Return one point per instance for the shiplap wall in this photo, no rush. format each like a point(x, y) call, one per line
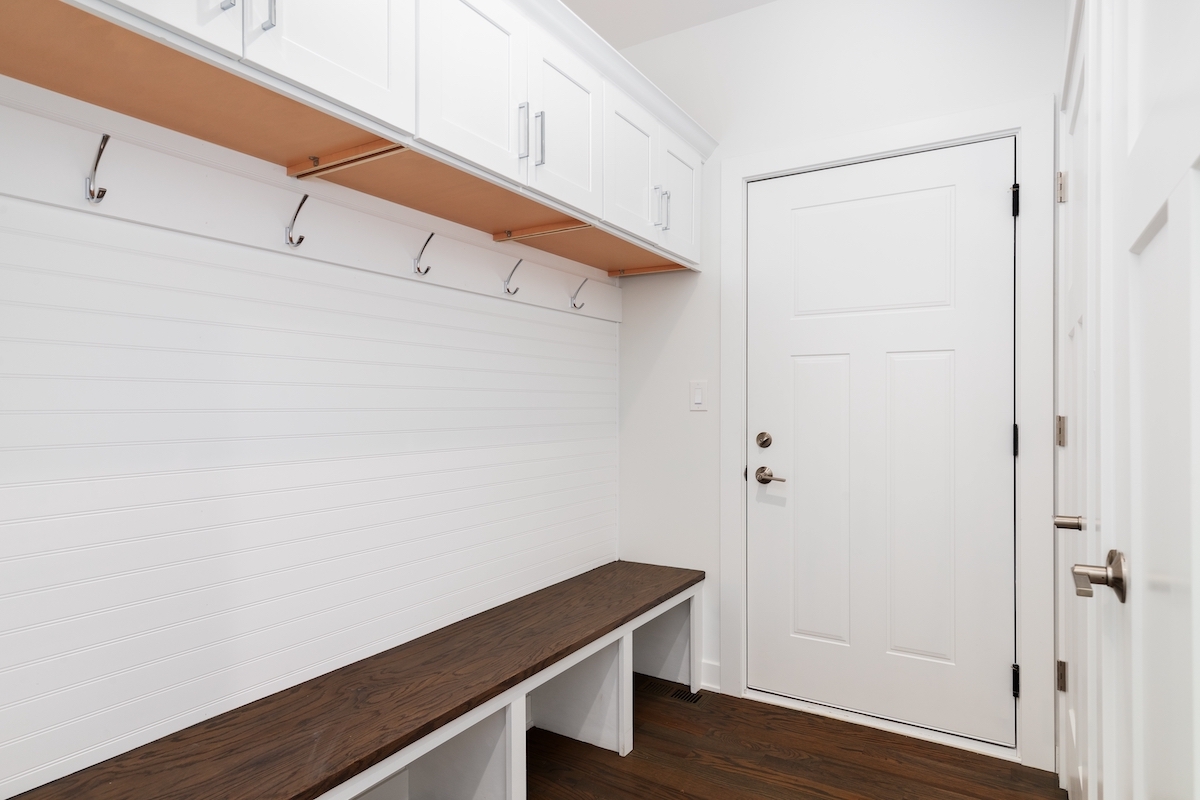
point(225, 470)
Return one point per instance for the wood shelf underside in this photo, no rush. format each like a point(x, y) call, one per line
point(66, 50)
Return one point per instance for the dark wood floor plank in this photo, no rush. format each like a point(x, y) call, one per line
point(830, 752)
point(303, 741)
point(724, 747)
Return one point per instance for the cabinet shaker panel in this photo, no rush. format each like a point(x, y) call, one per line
point(473, 81)
point(361, 54)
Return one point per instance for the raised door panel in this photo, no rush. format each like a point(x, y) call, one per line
point(631, 145)
point(216, 23)
point(472, 81)
point(679, 174)
point(360, 54)
point(566, 101)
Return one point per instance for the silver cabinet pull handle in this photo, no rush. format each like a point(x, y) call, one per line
point(270, 23)
point(667, 215)
point(1114, 574)
point(541, 120)
point(764, 475)
point(523, 130)
point(658, 208)
point(228, 4)
point(1069, 523)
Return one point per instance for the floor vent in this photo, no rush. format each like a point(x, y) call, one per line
point(685, 696)
point(671, 690)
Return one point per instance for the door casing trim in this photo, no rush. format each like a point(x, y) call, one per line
point(1032, 122)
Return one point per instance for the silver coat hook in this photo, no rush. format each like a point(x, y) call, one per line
point(581, 305)
point(91, 191)
point(509, 278)
point(288, 231)
point(417, 261)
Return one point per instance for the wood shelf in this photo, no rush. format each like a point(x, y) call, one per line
point(66, 50)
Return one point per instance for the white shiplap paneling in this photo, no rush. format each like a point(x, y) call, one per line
point(225, 470)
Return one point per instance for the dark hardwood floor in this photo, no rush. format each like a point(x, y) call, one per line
point(722, 747)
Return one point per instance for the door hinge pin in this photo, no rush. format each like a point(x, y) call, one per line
point(1016, 672)
point(1016, 194)
point(1061, 187)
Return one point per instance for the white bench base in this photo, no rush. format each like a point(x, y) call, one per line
point(588, 696)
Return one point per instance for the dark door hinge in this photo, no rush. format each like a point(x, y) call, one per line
point(746, 473)
point(1016, 440)
point(1061, 676)
point(1016, 680)
point(1016, 193)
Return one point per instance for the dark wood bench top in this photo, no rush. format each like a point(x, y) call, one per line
point(303, 741)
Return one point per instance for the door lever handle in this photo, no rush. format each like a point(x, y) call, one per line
point(764, 475)
point(1114, 574)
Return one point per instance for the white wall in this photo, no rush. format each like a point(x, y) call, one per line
point(783, 73)
point(227, 466)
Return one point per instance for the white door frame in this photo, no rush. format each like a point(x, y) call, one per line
point(1033, 124)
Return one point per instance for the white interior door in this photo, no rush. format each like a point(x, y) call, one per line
point(1149, 299)
point(361, 54)
point(472, 81)
point(566, 103)
point(881, 362)
point(207, 21)
point(1129, 385)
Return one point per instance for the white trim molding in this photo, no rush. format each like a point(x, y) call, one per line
point(1032, 123)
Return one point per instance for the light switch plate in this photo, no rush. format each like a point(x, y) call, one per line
point(698, 395)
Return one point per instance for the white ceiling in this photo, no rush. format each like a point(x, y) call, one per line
point(628, 22)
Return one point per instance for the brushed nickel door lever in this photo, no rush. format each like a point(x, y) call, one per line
point(764, 475)
point(1114, 574)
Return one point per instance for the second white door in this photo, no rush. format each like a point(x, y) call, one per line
point(881, 363)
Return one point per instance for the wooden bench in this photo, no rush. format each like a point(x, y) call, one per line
point(440, 716)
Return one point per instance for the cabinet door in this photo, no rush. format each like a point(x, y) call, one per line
point(473, 81)
point(631, 145)
point(566, 103)
point(216, 23)
point(679, 173)
point(358, 53)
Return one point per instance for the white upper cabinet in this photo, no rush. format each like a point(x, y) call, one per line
point(630, 138)
point(651, 178)
point(473, 82)
point(679, 178)
point(566, 108)
point(216, 23)
point(358, 53)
